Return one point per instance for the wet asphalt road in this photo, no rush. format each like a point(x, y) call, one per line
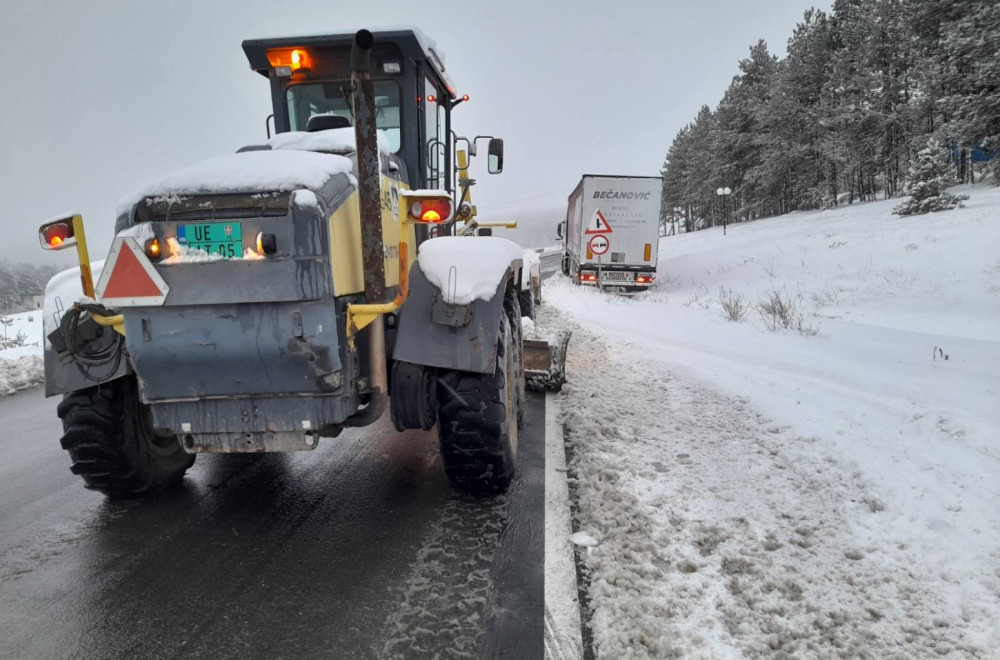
point(359, 549)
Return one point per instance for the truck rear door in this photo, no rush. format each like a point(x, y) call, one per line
point(622, 217)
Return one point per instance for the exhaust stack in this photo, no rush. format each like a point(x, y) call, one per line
point(369, 195)
point(369, 181)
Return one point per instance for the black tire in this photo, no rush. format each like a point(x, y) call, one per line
point(477, 425)
point(110, 438)
point(512, 305)
point(565, 264)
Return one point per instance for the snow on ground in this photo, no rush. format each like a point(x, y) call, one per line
point(21, 352)
point(827, 490)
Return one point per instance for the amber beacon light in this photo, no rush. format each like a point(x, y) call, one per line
point(291, 59)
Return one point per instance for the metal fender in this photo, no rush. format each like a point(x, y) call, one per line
point(436, 334)
point(61, 373)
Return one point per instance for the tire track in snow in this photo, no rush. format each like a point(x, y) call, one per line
point(445, 597)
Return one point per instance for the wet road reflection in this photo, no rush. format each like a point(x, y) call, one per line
point(359, 549)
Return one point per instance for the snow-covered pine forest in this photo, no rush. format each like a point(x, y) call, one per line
point(20, 283)
point(841, 119)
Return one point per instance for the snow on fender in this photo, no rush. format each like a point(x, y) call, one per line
point(467, 268)
point(533, 265)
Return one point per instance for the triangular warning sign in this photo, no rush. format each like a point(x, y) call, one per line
point(598, 224)
point(129, 278)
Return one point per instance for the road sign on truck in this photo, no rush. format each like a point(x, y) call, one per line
point(611, 230)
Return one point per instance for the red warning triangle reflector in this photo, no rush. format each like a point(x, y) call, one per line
point(598, 224)
point(129, 278)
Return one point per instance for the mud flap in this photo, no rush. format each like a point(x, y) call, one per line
point(545, 363)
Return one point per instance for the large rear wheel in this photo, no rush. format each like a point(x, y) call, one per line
point(110, 438)
point(512, 305)
point(477, 422)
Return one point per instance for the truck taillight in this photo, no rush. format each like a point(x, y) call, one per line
point(433, 207)
point(431, 210)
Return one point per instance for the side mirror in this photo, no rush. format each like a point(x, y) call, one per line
point(495, 151)
point(559, 230)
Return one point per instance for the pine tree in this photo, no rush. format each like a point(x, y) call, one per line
point(928, 179)
point(970, 59)
point(795, 118)
point(741, 137)
point(862, 90)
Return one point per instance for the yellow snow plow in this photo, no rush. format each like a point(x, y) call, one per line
point(545, 363)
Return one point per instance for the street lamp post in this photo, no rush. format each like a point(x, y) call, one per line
point(724, 193)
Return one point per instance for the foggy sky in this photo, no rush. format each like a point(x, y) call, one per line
point(103, 97)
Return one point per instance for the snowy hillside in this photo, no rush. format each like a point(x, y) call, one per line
point(826, 488)
point(20, 352)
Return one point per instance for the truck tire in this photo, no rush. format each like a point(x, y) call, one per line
point(512, 305)
point(477, 425)
point(110, 438)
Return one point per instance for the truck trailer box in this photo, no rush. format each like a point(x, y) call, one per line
point(611, 231)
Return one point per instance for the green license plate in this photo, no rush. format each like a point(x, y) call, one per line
point(222, 238)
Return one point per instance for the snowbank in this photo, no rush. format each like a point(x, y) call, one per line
point(263, 171)
point(467, 268)
point(20, 352)
point(826, 488)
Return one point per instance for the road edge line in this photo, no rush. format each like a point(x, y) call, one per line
point(563, 632)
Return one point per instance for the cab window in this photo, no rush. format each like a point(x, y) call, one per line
point(310, 99)
point(434, 138)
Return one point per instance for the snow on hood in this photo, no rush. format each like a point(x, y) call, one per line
point(334, 140)
point(479, 263)
point(250, 171)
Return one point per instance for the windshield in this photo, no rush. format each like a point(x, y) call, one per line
point(307, 100)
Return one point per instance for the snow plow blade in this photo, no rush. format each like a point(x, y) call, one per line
point(545, 363)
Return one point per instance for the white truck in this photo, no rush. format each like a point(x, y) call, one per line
point(611, 232)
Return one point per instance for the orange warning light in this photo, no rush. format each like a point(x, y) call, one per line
point(431, 98)
point(431, 210)
point(465, 97)
point(55, 235)
point(296, 59)
point(153, 249)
